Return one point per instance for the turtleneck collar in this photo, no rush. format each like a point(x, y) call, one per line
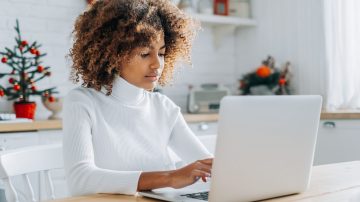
point(126, 92)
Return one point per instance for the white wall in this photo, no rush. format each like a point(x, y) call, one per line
point(289, 30)
point(210, 65)
point(50, 22)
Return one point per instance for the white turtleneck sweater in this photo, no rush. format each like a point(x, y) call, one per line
point(109, 140)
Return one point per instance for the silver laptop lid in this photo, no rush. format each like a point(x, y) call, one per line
point(265, 146)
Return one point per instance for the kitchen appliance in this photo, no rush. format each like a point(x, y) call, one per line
point(206, 98)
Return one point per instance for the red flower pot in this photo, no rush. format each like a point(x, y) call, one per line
point(25, 109)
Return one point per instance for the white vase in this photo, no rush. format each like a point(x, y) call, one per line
point(55, 107)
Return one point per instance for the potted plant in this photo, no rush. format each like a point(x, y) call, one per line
point(25, 69)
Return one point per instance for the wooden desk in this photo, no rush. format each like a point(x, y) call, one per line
point(329, 183)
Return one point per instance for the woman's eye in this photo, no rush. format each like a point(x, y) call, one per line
point(144, 55)
point(162, 54)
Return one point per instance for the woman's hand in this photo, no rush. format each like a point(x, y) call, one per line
point(191, 173)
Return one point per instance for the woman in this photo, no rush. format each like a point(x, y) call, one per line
point(116, 131)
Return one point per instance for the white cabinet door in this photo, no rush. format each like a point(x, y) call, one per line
point(50, 136)
point(338, 141)
point(206, 132)
point(204, 128)
point(17, 140)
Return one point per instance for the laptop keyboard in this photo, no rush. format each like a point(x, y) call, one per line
point(200, 195)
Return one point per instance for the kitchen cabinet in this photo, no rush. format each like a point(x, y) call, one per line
point(22, 139)
point(338, 141)
point(206, 132)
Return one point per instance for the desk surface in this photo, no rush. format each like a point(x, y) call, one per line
point(330, 183)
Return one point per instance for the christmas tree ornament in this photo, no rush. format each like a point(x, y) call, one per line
point(11, 80)
point(16, 87)
point(51, 99)
point(40, 68)
point(24, 43)
point(4, 60)
point(24, 61)
point(32, 50)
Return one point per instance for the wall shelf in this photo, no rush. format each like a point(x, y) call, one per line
point(224, 20)
point(223, 25)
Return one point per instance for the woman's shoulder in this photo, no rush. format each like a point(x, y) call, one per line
point(79, 94)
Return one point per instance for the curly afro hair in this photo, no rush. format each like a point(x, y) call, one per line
point(111, 29)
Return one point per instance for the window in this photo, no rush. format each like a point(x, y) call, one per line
point(342, 34)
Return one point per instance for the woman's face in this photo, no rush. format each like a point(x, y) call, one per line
point(144, 67)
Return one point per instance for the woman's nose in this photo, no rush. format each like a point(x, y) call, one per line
point(157, 62)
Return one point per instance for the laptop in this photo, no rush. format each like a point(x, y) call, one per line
point(264, 149)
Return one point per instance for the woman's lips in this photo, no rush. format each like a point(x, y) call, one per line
point(152, 78)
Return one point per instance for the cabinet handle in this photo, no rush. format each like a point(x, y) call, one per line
point(329, 124)
point(203, 126)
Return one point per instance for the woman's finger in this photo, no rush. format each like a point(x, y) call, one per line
point(207, 161)
point(203, 167)
point(200, 174)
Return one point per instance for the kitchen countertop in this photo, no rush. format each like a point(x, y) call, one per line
point(324, 115)
point(190, 118)
point(31, 126)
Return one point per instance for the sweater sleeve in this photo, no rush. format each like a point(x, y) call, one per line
point(83, 176)
point(185, 144)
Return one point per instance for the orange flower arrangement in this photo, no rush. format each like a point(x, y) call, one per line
point(274, 80)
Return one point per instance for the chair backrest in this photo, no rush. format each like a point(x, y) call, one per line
point(27, 160)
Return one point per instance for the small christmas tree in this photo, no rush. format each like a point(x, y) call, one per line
point(26, 70)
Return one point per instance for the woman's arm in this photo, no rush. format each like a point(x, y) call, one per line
point(185, 144)
point(82, 174)
point(176, 178)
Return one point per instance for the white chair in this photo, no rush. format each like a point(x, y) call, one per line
point(27, 160)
